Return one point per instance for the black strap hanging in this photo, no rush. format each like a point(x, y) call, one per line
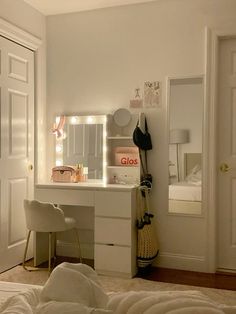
point(144, 143)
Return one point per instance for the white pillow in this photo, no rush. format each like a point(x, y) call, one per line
point(74, 283)
point(195, 175)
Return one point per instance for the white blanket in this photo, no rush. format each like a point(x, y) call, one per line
point(75, 289)
point(71, 289)
point(23, 303)
point(168, 302)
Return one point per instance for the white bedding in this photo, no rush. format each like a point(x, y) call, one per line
point(75, 289)
point(9, 289)
point(185, 191)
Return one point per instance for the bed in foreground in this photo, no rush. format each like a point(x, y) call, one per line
point(75, 289)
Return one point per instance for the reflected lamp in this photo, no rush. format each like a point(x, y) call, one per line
point(177, 137)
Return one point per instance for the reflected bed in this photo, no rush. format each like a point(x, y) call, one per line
point(185, 197)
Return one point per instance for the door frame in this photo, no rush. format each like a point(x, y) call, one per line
point(21, 37)
point(213, 37)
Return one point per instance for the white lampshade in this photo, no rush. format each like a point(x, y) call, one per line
point(179, 136)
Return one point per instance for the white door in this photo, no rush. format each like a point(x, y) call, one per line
point(16, 147)
point(226, 155)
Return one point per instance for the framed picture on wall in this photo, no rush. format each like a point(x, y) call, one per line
point(152, 94)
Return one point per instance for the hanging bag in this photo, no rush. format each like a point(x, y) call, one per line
point(148, 247)
point(143, 142)
point(140, 139)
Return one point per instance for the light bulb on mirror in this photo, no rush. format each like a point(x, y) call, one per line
point(90, 120)
point(73, 120)
point(58, 162)
point(59, 148)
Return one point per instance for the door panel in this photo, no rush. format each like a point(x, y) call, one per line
point(17, 147)
point(16, 223)
point(226, 187)
point(18, 124)
point(18, 68)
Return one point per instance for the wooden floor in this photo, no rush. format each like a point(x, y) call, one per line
point(219, 280)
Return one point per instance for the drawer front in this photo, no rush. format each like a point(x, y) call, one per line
point(65, 196)
point(112, 258)
point(112, 231)
point(113, 204)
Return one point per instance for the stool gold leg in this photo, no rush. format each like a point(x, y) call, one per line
point(26, 249)
point(78, 242)
point(54, 249)
point(50, 251)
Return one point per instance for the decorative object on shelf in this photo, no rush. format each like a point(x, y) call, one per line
point(143, 141)
point(79, 173)
point(58, 127)
point(122, 117)
point(152, 94)
point(148, 247)
point(177, 137)
point(126, 156)
point(137, 101)
point(63, 174)
point(114, 179)
point(123, 163)
point(85, 177)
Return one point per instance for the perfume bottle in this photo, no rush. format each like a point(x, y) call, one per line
point(79, 173)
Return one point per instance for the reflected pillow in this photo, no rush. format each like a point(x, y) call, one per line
point(195, 175)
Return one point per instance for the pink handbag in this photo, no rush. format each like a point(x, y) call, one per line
point(63, 174)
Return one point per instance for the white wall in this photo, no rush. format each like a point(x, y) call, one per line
point(24, 16)
point(95, 61)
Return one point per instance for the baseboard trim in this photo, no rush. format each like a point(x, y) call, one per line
point(181, 261)
point(228, 271)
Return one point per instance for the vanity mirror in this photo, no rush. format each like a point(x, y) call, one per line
point(83, 141)
point(185, 144)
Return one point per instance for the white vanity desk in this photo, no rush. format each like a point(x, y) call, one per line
point(115, 219)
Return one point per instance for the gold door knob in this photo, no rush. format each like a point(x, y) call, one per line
point(224, 167)
point(31, 167)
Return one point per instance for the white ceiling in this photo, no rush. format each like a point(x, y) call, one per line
point(52, 7)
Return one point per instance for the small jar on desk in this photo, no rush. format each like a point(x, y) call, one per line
point(81, 173)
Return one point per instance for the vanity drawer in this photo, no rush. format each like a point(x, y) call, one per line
point(113, 204)
point(65, 196)
point(112, 259)
point(112, 231)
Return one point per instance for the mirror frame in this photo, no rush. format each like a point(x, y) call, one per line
point(201, 78)
point(81, 119)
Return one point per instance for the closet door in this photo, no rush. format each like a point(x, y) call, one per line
point(16, 147)
point(226, 140)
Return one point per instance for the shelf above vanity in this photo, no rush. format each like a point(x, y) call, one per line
point(118, 137)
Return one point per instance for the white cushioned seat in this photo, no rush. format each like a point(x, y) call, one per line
point(46, 217)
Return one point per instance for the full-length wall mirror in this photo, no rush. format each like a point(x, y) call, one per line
point(83, 142)
point(186, 109)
